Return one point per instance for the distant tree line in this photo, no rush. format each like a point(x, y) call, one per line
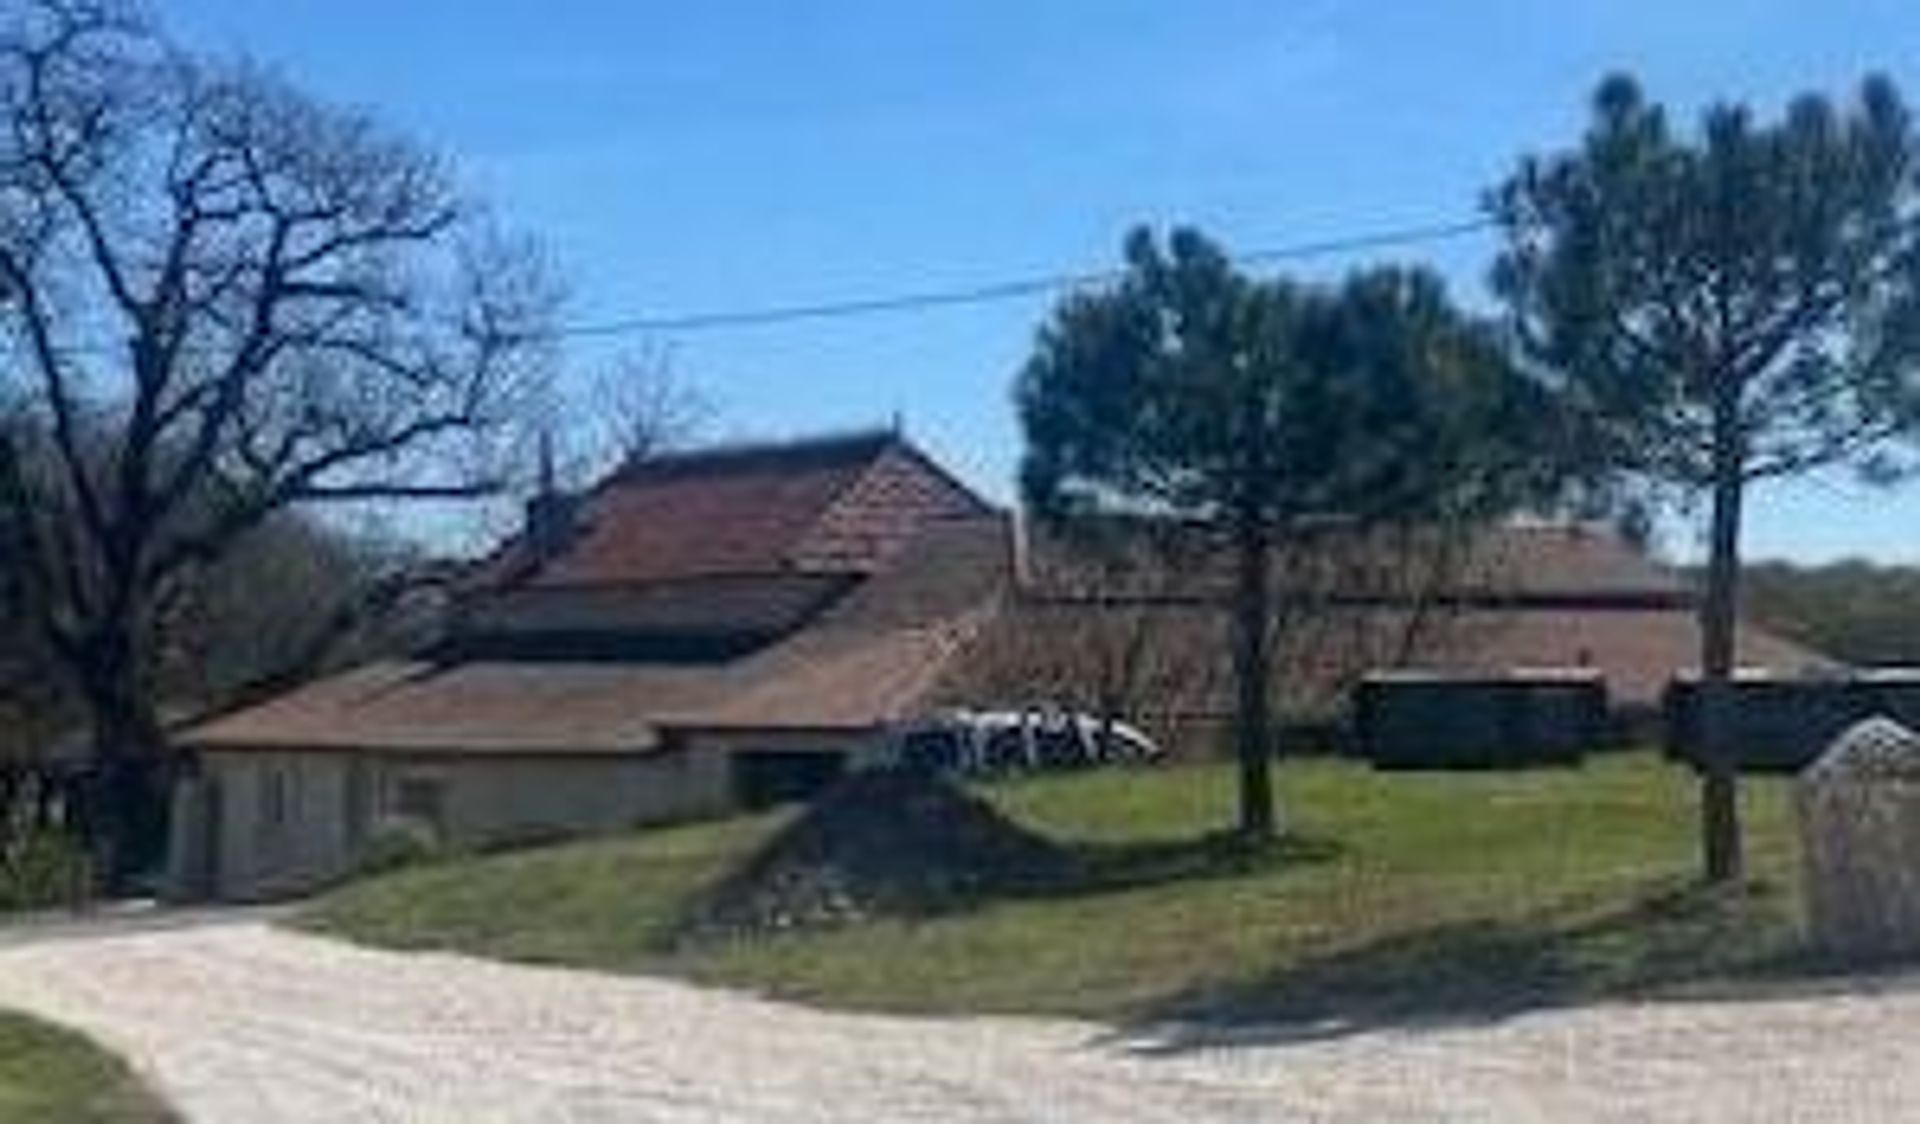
point(1859, 612)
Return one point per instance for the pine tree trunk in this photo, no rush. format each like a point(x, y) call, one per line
point(1719, 786)
point(1252, 662)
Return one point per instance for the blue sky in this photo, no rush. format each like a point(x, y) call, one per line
point(685, 157)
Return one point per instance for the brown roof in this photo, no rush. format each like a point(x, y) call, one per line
point(754, 605)
point(1177, 655)
point(873, 658)
point(1640, 650)
point(875, 586)
point(1144, 605)
point(952, 568)
point(1571, 563)
point(834, 505)
point(825, 679)
point(833, 678)
point(480, 707)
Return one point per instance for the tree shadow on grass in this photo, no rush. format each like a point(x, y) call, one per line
point(1682, 942)
point(1102, 868)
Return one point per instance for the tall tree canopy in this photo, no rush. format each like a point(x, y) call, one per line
point(1724, 306)
point(219, 299)
point(1270, 411)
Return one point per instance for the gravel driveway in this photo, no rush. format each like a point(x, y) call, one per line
point(238, 1021)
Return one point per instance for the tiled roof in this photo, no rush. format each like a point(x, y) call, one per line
point(873, 658)
point(826, 679)
point(476, 707)
point(875, 586)
point(1569, 563)
point(732, 605)
point(836, 505)
point(952, 568)
point(1574, 561)
point(1640, 650)
point(1148, 602)
point(1179, 654)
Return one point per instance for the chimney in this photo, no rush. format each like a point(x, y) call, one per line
point(552, 515)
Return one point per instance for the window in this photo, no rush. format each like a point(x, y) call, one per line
point(420, 798)
point(275, 797)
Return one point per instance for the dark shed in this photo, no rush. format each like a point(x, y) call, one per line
point(1782, 723)
point(1432, 720)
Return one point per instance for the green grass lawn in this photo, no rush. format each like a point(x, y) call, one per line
point(48, 1074)
point(1398, 895)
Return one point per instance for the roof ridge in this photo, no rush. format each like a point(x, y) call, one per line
point(853, 444)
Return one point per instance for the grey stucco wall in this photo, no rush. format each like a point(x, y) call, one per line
point(510, 799)
point(230, 844)
point(241, 850)
point(261, 824)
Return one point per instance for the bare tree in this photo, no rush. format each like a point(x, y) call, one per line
point(1106, 630)
point(642, 407)
point(1123, 619)
point(220, 299)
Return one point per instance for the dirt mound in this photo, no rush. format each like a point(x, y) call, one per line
point(880, 844)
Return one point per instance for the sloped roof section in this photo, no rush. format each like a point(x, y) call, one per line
point(1174, 659)
point(733, 511)
point(874, 657)
point(950, 568)
point(1141, 606)
point(1564, 561)
point(831, 505)
point(733, 611)
point(829, 678)
point(409, 707)
point(1570, 564)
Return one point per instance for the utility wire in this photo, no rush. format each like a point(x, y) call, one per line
point(1002, 290)
point(977, 294)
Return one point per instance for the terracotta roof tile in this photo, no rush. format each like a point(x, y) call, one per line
point(699, 517)
point(835, 505)
point(1507, 562)
point(831, 678)
point(1057, 652)
point(873, 658)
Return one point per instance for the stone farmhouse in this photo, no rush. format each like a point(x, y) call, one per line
point(734, 627)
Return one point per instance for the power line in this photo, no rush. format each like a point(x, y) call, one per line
point(1002, 290)
point(977, 294)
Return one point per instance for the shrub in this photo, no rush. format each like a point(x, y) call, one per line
point(400, 842)
point(41, 868)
